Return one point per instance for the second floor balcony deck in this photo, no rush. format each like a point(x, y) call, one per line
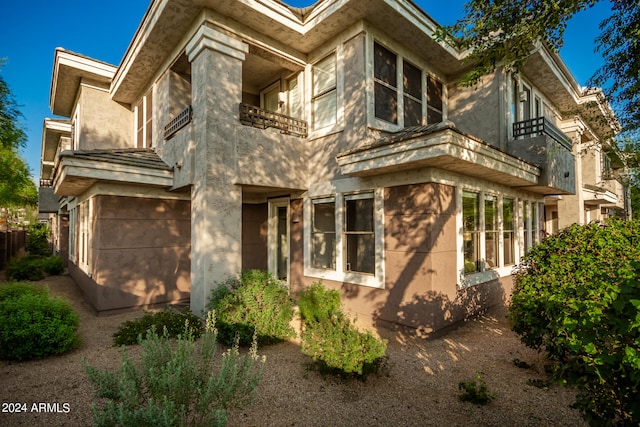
point(539, 142)
point(259, 117)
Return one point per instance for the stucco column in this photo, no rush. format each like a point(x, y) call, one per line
point(571, 207)
point(216, 201)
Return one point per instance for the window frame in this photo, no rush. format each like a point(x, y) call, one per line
point(329, 92)
point(376, 85)
point(340, 274)
point(143, 121)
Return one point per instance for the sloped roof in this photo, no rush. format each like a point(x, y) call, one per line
point(138, 157)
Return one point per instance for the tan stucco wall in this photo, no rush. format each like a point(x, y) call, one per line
point(140, 252)
point(103, 123)
point(477, 110)
point(421, 290)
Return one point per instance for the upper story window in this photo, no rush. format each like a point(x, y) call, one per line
point(417, 101)
point(144, 121)
point(294, 98)
point(324, 92)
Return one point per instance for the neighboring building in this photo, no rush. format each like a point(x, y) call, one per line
point(326, 143)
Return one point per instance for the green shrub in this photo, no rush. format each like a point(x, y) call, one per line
point(177, 384)
point(26, 267)
point(37, 242)
point(33, 325)
point(332, 339)
point(171, 323)
point(34, 267)
point(475, 392)
point(53, 265)
point(256, 303)
point(16, 289)
point(577, 296)
point(317, 303)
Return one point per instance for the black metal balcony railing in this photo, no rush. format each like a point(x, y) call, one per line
point(255, 116)
point(181, 120)
point(46, 182)
point(540, 126)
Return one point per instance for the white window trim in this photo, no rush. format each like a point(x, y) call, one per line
point(377, 280)
point(338, 126)
point(401, 55)
point(471, 279)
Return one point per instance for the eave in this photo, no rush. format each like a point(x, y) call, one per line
point(69, 70)
point(76, 172)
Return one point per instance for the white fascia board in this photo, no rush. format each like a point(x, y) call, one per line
point(80, 65)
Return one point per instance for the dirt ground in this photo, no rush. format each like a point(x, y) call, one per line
point(419, 386)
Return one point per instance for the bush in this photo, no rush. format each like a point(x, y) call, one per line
point(256, 303)
point(475, 392)
point(171, 323)
point(577, 296)
point(33, 325)
point(33, 267)
point(331, 338)
point(176, 384)
point(37, 242)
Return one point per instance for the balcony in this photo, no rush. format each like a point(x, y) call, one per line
point(540, 143)
point(260, 118)
point(178, 122)
point(540, 126)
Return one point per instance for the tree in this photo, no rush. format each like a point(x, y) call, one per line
point(505, 32)
point(16, 186)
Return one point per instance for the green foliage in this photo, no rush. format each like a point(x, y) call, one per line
point(255, 304)
point(33, 325)
point(177, 384)
point(475, 392)
point(318, 304)
point(171, 323)
point(33, 267)
point(332, 339)
point(16, 186)
point(38, 240)
point(577, 296)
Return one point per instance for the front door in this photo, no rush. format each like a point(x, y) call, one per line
point(278, 238)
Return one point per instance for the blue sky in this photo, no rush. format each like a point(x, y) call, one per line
point(31, 31)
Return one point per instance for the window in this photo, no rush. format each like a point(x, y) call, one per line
point(386, 85)
point(270, 98)
point(359, 236)
point(412, 85)
point(411, 94)
point(323, 233)
point(144, 121)
point(434, 100)
point(294, 105)
point(471, 231)
point(324, 92)
point(491, 230)
point(526, 223)
point(508, 236)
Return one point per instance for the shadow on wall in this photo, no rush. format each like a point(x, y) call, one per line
point(140, 254)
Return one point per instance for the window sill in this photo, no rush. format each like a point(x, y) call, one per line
point(473, 279)
point(370, 280)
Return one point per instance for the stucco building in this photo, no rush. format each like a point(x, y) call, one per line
point(327, 143)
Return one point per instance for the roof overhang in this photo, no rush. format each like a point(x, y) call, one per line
point(76, 174)
point(167, 24)
point(447, 149)
point(69, 70)
point(52, 131)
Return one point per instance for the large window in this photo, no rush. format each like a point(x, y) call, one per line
point(471, 231)
point(508, 233)
point(294, 104)
point(417, 88)
point(323, 233)
point(359, 236)
point(491, 231)
point(324, 92)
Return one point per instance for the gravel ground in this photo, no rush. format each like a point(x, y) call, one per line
point(419, 386)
